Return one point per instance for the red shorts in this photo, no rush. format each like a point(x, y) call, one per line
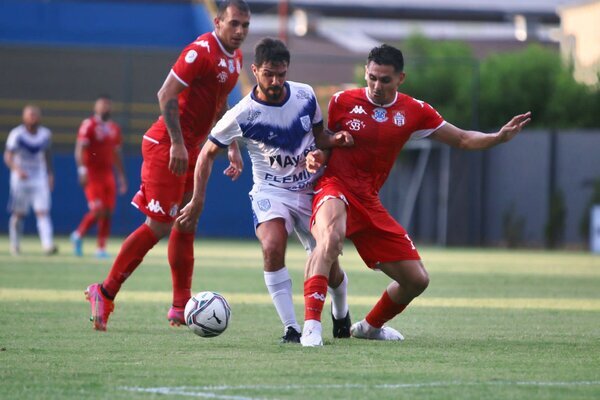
point(377, 236)
point(161, 191)
point(101, 192)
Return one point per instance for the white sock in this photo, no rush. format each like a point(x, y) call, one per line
point(339, 299)
point(279, 285)
point(44, 225)
point(312, 325)
point(15, 231)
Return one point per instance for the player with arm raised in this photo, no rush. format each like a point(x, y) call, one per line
point(347, 203)
point(97, 153)
point(192, 97)
point(281, 124)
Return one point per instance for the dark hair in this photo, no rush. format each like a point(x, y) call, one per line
point(239, 4)
point(271, 50)
point(387, 55)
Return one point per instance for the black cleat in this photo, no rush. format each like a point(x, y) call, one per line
point(341, 327)
point(291, 336)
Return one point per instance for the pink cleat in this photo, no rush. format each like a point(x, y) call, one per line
point(101, 306)
point(176, 316)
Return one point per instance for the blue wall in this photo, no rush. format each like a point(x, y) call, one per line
point(227, 211)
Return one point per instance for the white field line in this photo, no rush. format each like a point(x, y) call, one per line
point(216, 392)
point(574, 304)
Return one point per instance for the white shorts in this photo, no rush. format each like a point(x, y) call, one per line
point(26, 193)
point(270, 202)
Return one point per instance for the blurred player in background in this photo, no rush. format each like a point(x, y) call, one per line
point(279, 122)
point(29, 159)
point(97, 152)
point(347, 203)
point(192, 98)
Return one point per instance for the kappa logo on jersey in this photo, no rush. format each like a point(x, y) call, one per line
point(264, 204)
point(154, 206)
point(358, 110)
point(203, 43)
point(302, 95)
point(222, 76)
point(399, 119)
point(305, 120)
point(380, 114)
point(222, 63)
point(191, 56)
point(318, 296)
point(355, 124)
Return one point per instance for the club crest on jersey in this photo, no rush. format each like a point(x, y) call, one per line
point(305, 120)
point(264, 204)
point(380, 114)
point(231, 66)
point(355, 124)
point(222, 63)
point(399, 118)
point(222, 76)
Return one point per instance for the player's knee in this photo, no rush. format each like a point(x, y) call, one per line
point(419, 283)
point(333, 243)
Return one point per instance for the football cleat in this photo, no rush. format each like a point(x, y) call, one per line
point(51, 251)
point(311, 334)
point(176, 316)
point(101, 253)
point(291, 336)
point(362, 330)
point(77, 244)
point(341, 327)
point(101, 306)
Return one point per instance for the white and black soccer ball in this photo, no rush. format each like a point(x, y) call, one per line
point(207, 314)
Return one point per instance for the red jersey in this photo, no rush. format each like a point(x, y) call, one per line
point(379, 134)
point(209, 73)
point(100, 138)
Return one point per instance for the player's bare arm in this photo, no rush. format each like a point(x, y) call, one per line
point(82, 175)
point(475, 140)
point(9, 160)
point(189, 215)
point(236, 163)
point(326, 139)
point(169, 108)
point(316, 159)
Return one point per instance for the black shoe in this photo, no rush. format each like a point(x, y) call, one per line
point(341, 327)
point(291, 336)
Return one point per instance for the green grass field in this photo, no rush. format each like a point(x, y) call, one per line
point(494, 324)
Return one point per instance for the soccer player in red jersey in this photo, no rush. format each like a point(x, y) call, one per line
point(346, 203)
point(192, 98)
point(97, 151)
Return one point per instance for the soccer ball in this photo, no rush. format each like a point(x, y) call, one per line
point(207, 314)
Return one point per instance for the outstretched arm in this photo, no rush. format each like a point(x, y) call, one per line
point(475, 140)
point(189, 215)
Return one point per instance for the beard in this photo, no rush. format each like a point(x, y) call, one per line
point(105, 116)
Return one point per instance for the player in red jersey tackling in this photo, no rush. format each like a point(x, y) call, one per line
point(346, 203)
point(97, 150)
point(192, 98)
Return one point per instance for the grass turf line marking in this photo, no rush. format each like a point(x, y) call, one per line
point(573, 304)
point(209, 391)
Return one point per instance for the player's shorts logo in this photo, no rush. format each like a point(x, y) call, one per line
point(399, 119)
point(305, 120)
point(264, 205)
point(154, 206)
point(380, 114)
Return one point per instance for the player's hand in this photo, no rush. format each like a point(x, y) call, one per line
point(514, 126)
point(343, 139)
point(178, 159)
point(22, 174)
point(189, 215)
point(315, 160)
point(236, 163)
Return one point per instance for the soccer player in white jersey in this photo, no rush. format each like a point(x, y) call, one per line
point(28, 157)
point(281, 123)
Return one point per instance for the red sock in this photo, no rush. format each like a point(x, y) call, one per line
point(315, 291)
point(132, 253)
point(103, 231)
point(181, 260)
point(86, 223)
point(384, 310)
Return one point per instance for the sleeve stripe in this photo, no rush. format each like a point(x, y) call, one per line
point(215, 141)
point(423, 133)
point(179, 79)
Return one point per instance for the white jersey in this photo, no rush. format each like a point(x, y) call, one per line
point(29, 150)
point(278, 137)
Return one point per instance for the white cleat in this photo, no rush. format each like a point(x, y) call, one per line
point(362, 330)
point(311, 334)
